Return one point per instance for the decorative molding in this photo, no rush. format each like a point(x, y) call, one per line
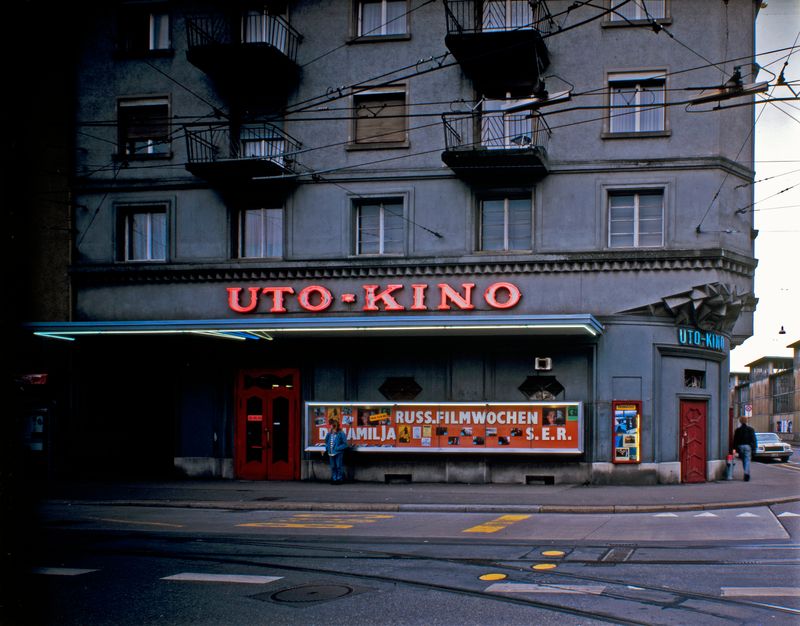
point(235, 271)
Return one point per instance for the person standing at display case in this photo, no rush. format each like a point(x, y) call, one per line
point(335, 445)
point(744, 444)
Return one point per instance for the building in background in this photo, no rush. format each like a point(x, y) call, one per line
point(495, 257)
point(768, 395)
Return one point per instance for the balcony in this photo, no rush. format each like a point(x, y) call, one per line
point(496, 146)
point(253, 153)
point(253, 53)
point(499, 43)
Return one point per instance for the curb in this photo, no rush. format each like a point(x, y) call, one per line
point(428, 508)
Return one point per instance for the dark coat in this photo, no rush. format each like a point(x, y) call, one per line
point(744, 435)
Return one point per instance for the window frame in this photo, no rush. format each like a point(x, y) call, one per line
point(384, 93)
point(360, 202)
point(636, 79)
point(637, 192)
point(240, 237)
point(130, 30)
point(613, 19)
point(125, 243)
point(123, 128)
point(359, 35)
point(506, 198)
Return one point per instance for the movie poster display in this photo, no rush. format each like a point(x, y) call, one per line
point(539, 427)
point(627, 431)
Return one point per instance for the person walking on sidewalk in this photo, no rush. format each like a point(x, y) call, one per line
point(335, 445)
point(744, 444)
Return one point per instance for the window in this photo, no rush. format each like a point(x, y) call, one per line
point(261, 233)
point(637, 10)
point(505, 224)
point(144, 127)
point(380, 117)
point(143, 233)
point(636, 219)
point(500, 130)
point(379, 226)
point(381, 17)
point(695, 379)
point(143, 28)
point(507, 14)
point(265, 26)
point(637, 102)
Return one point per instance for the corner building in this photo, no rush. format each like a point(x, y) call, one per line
point(495, 238)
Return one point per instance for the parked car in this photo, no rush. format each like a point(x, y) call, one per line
point(770, 446)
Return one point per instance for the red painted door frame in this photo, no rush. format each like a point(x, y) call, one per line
point(693, 427)
point(267, 440)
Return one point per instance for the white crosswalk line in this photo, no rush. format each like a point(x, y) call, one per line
point(223, 578)
point(760, 592)
point(61, 571)
point(534, 588)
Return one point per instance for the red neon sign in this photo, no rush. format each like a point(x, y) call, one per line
point(317, 298)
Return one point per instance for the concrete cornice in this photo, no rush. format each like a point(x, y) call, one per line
point(587, 262)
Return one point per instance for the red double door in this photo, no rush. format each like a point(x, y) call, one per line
point(693, 441)
point(267, 444)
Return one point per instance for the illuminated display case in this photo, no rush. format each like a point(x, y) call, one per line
point(626, 425)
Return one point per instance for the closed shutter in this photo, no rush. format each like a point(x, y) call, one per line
point(380, 118)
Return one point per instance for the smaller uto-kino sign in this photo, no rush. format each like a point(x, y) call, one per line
point(701, 339)
point(531, 427)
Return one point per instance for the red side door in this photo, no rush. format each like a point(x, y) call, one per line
point(267, 444)
point(693, 441)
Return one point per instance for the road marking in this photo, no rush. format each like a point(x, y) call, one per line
point(493, 576)
point(223, 578)
point(760, 592)
point(747, 515)
point(665, 515)
point(706, 514)
point(534, 588)
point(496, 524)
point(541, 566)
point(321, 520)
point(788, 514)
point(129, 521)
point(61, 571)
point(558, 553)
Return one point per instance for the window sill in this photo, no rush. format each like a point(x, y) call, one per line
point(649, 134)
point(123, 158)
point(664, 21)
point(378, 38)
point(378, 146)
point(123, 55)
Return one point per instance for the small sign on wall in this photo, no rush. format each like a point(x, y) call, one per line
point(626, 420)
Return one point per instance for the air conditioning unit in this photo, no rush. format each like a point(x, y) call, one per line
point(543, 363)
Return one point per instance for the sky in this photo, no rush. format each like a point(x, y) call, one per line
point(777, 218)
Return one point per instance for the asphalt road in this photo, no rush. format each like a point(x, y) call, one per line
point(151, 565)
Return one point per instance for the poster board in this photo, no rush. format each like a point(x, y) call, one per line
point(529, 427)
point(626, 427)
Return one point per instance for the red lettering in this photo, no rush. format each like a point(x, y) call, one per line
point(325, 298)
point(277, 297)
point(490, 295)
point(389, 303)
point(419, 298)
point(233, 299)
point(449, 294)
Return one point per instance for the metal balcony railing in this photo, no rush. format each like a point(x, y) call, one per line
point(214, 143)
point(494, 131)
point(254, 28)
point(479, 16)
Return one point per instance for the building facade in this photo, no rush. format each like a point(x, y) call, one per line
point(497, 257)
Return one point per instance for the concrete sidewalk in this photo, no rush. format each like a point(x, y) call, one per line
point(770, 484)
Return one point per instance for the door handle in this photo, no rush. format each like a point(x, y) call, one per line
point(266, 430)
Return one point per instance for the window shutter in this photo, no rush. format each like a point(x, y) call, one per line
point(381, 119)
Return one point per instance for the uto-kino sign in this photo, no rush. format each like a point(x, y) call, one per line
point(529, 427)
point(392, 297)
